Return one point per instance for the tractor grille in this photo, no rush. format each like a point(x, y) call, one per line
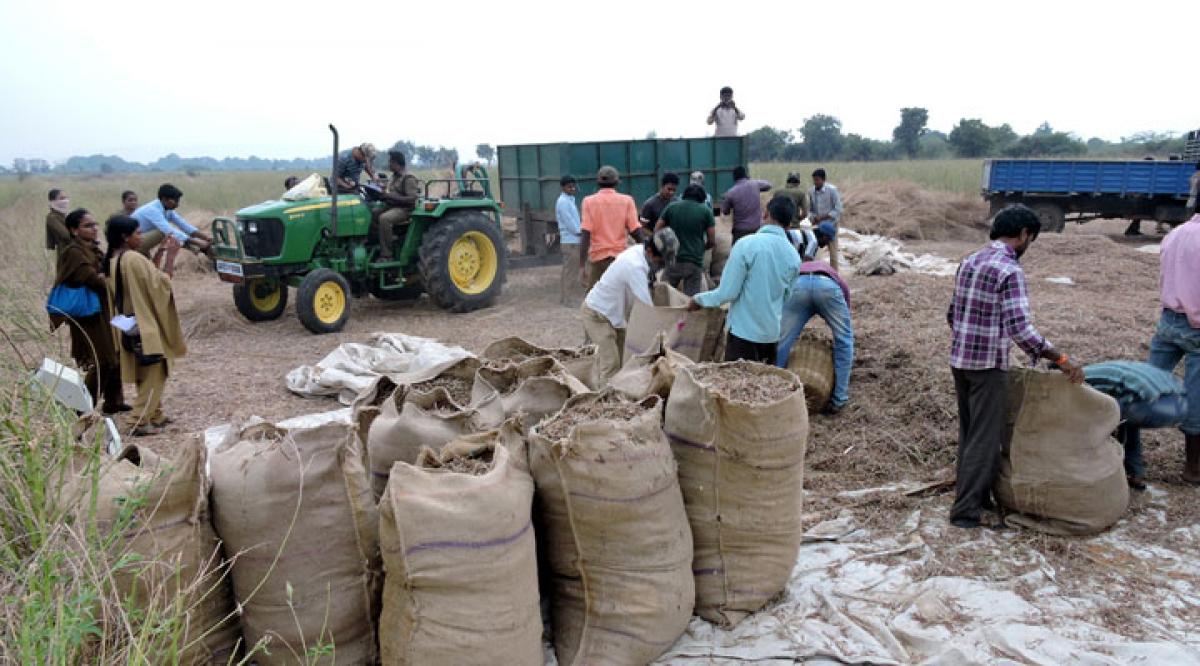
point(262, 238)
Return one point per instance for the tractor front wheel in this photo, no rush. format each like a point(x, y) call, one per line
point(260, 299)
point(463, 261)
point(323, 301)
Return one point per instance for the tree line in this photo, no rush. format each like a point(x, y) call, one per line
point(820, 138)
point(418, 155)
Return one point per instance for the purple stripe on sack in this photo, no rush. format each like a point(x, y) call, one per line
point(676, 439)
point(708, 572)
point(624, 500)
point(473, 545)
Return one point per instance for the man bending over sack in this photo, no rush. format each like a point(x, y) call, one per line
point(1148, 397)
point(605, 312)
point(990, 307)
point(820, 290)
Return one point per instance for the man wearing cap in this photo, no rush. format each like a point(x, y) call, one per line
point(608, 216)
point(725, 115)
point(605, 311)
point(351, 164)
point(693, 224)
point(566, 212)
point(793, 191)
point(825, 205)
point(697, 178)
point(757, 282)
point(819, 290)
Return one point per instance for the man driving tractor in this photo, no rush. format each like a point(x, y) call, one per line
point(401, 198)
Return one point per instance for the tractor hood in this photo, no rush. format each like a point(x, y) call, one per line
point(290, 209)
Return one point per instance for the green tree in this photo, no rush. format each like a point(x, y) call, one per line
point(766, 144)
point(907, 135)
point(934, 146)
point(971, 138)
point(822, 137)
point(1002, 137)
point(485, 152)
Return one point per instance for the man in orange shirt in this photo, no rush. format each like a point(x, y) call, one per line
point(607, 216)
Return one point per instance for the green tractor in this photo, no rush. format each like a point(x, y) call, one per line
point(452, 248)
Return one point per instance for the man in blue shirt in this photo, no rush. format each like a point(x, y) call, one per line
point(566, 211)
point(757, 280)
point(157, 220)
point(351, 164)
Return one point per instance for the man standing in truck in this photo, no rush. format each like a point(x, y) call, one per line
point(401, 197)
point(725, 115)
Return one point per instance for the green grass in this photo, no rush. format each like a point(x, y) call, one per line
point(959, 176)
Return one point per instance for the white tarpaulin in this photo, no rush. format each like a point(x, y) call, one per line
point(862, 597)
point(350, 368)
point(868, 254)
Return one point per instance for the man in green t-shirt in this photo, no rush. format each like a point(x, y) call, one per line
point(693, 224)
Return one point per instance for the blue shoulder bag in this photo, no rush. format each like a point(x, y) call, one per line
point(74, 302)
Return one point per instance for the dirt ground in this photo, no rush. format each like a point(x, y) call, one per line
point(901, 423)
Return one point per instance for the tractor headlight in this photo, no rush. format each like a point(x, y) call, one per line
point(252, 227)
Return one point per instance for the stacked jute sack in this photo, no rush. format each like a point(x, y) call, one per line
point(414, 534)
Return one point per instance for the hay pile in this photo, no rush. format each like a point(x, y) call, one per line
point(905, 210)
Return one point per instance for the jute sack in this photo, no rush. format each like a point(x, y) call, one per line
point(741, 469)
point(459, 552)
point(615, 530)
point(580, 362)
point(169, 551)
point(811, 359)
point(410, 420)
point(530, 390)
point(299, 523)
point(696, 335)
point(651, 373)
point(1062, 471)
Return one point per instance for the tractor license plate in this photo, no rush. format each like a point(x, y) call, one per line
point(229, 271)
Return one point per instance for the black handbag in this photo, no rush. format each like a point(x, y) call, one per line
point(132, 342)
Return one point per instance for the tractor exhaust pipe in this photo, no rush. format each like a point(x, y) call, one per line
point(333, 186)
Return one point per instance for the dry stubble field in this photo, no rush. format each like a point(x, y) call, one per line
point(901, 424)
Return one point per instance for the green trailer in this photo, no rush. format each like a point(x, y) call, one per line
point(530, 173)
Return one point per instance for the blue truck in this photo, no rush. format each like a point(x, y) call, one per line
point(1082, 190)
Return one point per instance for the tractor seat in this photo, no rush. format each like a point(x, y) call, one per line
point(470, 194)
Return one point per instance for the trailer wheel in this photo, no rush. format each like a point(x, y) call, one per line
point(463, 261)
point(260, 299)
point(1052, 217)
point(323, 301)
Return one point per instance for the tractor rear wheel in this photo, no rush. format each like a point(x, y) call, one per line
point(260, 299)
point(463, 261)
point(323, 301)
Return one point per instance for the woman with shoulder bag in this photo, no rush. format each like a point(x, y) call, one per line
point(92, 343)
point(149, 350)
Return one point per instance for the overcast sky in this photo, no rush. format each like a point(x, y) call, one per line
point(239, 78)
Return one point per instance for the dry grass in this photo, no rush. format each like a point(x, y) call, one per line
point(604, 409)
point(739, 383)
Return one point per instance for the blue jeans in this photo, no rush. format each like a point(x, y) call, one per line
point(821, 295)
point(1176, 340)
point(1165, 412)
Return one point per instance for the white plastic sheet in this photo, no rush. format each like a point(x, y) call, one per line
point(857, 597)
point(350, 368)
point(867, 254)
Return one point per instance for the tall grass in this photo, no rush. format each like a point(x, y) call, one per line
point(960, 176)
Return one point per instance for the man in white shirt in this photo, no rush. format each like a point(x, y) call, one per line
point(605, 311)
point(726, 114)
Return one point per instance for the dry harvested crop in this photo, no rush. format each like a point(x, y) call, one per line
point(607, 409)
point(458, 388)
point(741, 385)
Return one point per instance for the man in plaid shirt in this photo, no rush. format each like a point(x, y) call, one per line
point(990, 307)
